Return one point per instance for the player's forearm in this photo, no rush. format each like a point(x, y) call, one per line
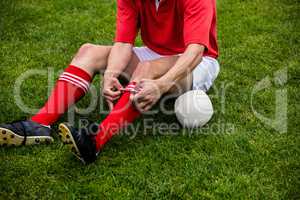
point(184, 65)
point(119, 58)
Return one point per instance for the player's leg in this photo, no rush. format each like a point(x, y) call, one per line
point(123, 113)
point(73, 83)
point(71, 86)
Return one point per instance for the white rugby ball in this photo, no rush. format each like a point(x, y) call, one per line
point(193, 109)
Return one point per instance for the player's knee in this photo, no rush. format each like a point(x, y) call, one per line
point(91, 57)
point(86, 46)
point(86, 49)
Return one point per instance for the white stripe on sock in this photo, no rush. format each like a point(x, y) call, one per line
point(78, 82)
point(72, 82)
point(77, 77)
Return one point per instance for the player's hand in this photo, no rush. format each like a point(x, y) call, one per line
point(148, 93)
point(111, 90)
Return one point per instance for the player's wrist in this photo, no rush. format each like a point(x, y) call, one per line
point(164, 85)
point(110, 74)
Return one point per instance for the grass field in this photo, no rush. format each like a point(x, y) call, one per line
point(248, 160)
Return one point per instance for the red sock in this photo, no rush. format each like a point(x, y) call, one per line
point(123, 113)
point(70, 87)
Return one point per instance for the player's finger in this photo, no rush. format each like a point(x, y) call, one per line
point(111, 93)
point(112, 98)
point(118, 84)
point(110, 105)
point(139, 97)
point(147, 108)
point(142, 104)
point(108, 98)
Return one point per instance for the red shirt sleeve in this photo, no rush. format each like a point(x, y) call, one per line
point(198, 15)
point(127, 21)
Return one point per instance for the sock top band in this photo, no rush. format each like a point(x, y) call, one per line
point(72, 69)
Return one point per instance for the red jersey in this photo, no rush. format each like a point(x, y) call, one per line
point(169, 28)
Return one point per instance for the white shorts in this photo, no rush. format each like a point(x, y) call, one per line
point(203, 75)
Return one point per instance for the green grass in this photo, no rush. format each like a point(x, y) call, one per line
point(249, 161)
